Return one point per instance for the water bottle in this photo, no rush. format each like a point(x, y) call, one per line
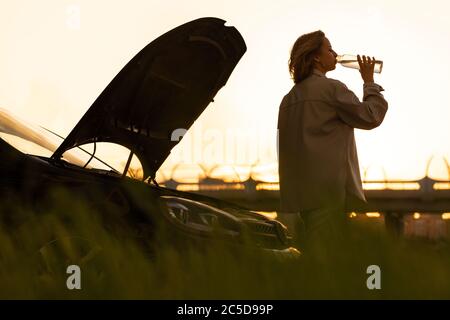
point(351, 61)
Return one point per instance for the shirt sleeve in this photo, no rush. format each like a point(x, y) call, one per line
point(367, 114)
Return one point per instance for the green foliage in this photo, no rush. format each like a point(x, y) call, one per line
point(37, 246)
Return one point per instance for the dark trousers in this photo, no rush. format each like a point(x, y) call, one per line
point(319, 232)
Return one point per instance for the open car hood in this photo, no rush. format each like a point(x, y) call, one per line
point(165, 87)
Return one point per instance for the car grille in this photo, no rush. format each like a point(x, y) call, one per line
point(259, 227)
point(265, 234)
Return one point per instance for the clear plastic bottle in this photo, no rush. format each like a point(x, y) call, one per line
point(351, 61)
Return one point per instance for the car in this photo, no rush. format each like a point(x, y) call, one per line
point(161, 91)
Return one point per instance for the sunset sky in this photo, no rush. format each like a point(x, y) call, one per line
point(57, 56)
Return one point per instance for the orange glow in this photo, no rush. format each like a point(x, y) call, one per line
point(374, 186)
point(446, 216)
point(188, 187)
point(416, 216)
point(269, 214)
point(268, 186)
point(222, 187)
point(391, 186)
point(373, 214)
point(56, 94)
point(352, 215)
point(206, 187)
point(441, 186)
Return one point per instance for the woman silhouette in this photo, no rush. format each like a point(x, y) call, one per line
point(318, 161)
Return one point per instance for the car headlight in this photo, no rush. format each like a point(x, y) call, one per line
point(199, 216)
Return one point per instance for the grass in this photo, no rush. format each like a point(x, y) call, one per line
point(120, 269)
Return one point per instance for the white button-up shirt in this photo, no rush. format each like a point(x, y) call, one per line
point(318, 160)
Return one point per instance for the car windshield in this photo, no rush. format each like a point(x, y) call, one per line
point(34, 140)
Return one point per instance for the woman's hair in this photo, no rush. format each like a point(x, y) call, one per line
point(301, 61)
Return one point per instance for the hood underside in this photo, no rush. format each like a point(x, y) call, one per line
point(165, 87)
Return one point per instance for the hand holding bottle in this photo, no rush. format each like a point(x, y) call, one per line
point(366, 68)
point(352, 61)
